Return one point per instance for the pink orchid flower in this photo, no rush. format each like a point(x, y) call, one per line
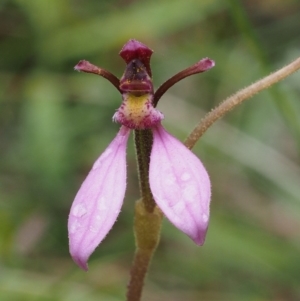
point(179, 182)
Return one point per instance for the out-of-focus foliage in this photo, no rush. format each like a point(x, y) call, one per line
point(54, 123)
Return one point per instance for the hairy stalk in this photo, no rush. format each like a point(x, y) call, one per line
point(143, 144)
point(147, 234)
point(138, 273)
point(231, 102)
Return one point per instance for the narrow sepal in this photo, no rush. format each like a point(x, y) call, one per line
point(98, 201)
point(201, 66)
point(85, 66)
point(180, 185)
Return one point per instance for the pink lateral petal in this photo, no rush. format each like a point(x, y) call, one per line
point(98, 201)
point(180, 185)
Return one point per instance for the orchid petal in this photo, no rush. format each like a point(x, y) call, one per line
point(99, 200)
point(180, 185)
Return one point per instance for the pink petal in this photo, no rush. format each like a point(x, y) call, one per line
point(99, 200)
point(180, 185)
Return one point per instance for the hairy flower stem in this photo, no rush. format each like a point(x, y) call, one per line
point(231, 102)
point(138, 273)
point(143, 144)
point(147, 233)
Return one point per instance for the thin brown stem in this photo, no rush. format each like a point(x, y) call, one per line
point(237, 98)
point(147, 234)
point(138, 273)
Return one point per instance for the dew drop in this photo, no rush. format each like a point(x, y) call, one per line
point(170, 180)
point(204, 217)
point(101, 205)
point(189, 193)
point(79, 210)
point(74, 227)
point(93, 229)
point(185, 176)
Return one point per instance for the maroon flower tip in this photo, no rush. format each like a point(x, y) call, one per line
point(134, 49)
point(205, 64)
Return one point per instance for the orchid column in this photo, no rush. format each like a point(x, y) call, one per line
point(173, 181)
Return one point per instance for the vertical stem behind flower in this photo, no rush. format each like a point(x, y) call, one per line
point(147, 234)
point(143, 144)
point(138, 272)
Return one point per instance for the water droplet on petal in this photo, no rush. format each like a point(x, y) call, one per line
point(189, 193)
point(101, 205)
point(74, 227)
point(178, 208)
point(92, 229)
point(79, 210)
point(185, 176)
point(169, 179)
point(205, 217)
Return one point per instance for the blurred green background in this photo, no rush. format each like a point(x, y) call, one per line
point(55, 122)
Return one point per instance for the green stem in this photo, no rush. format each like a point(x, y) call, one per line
point(138, 273)
point(147, 234)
